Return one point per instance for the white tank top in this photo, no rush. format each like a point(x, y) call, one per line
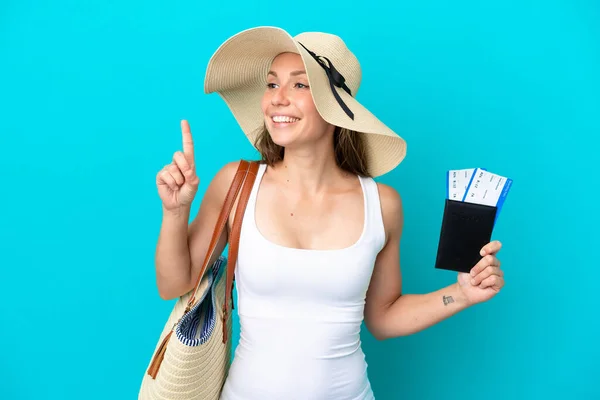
point(301, 312)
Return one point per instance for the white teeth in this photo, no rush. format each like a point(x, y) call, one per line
point(281, 118)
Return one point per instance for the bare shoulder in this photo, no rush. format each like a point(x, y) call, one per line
point(391, 202)
point(225, 175)
point(391, 209)
point(219, 185)
point(217, 190)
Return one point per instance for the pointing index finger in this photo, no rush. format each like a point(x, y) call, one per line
point(188, 142)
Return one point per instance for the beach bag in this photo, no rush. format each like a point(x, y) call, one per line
point(192, 357)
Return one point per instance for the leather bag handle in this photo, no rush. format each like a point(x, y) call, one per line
point(243, 179)
point(234, 240)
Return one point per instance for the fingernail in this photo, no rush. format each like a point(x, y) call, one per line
point(472, 273)
point(472, 281)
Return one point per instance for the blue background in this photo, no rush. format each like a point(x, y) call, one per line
point(92, 93)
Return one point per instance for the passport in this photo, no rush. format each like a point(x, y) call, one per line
point(474, 197)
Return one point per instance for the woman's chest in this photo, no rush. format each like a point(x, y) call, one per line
point(329, 223)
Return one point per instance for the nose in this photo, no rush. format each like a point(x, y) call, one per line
point(280, 97)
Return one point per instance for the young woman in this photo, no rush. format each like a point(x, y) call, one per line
point(320, 241)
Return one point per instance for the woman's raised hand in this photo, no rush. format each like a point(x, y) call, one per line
point(177, 182)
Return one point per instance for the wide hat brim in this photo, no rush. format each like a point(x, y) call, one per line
point(238, 70)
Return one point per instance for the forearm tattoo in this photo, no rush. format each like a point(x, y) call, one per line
point(448, 300)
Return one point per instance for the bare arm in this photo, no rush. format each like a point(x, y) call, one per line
point(172, 256)
point(388, 312)
point(201, 229)
point(181, 249)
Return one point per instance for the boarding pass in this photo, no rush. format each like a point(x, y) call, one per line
point(478, 185)
point(457, 182)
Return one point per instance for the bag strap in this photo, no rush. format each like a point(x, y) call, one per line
point(243, 181)
point(234, 241)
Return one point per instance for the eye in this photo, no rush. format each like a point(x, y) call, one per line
point(271, 85)
point(301, 85)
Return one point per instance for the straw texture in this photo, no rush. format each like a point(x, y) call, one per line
point(194, 372)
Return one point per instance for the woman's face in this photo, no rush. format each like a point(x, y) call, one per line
point(290, 113)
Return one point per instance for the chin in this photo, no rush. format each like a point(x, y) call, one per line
point(279, 140)
point(283, 136)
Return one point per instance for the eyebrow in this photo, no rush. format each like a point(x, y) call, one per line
point(293, 73)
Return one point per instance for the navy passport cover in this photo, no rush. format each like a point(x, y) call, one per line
point(466, 228)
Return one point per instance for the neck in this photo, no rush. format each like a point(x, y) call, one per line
point(309, 170)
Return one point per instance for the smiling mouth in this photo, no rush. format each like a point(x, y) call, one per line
point(281, 119)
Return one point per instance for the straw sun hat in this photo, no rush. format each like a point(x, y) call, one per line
point(238, 72)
